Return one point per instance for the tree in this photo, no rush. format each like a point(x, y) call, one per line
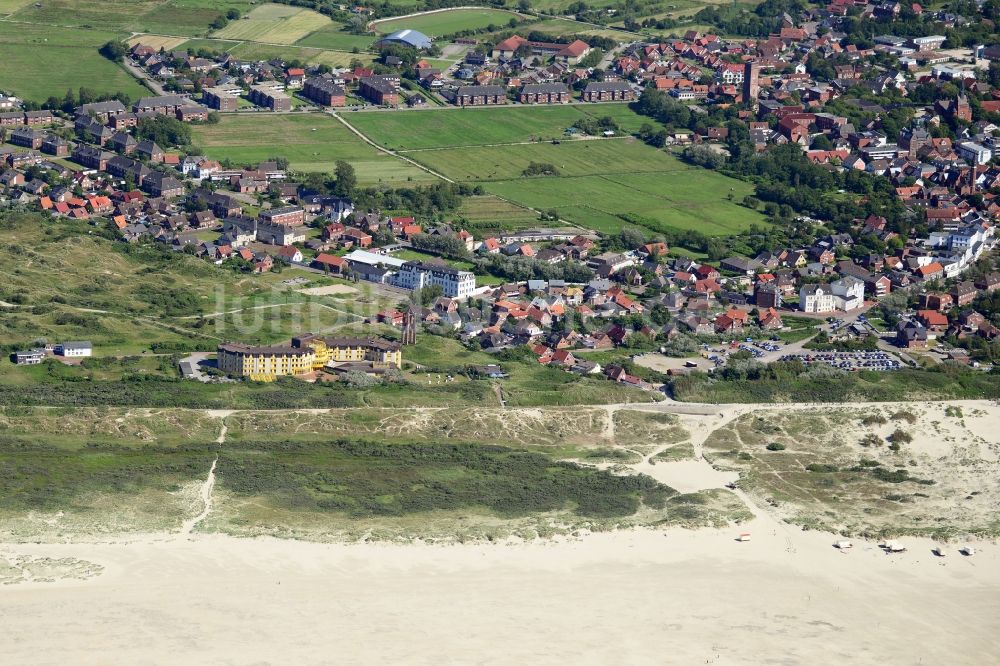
point(346, 179)
point(114, 51)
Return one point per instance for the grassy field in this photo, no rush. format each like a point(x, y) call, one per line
point(41, 61)
point(335, 37)
point(250, 139)
point(447, 22)
point(488, 214)
point(565, 27)
point(600, 180)
point(169, 17)
point(274, 24)
point(416, 130)
point(254, 51)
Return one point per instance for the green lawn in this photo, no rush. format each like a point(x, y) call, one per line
point(40, 61)
point(448, 22)
point(311, 142)
point(450, 127)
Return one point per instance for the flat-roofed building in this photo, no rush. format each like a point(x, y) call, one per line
point(270, 98)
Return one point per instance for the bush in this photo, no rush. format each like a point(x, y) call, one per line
point(540, 169)
point(775, 446)
point(904, 415)
point(900, 437)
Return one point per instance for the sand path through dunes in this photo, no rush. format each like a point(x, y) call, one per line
point(641, 597)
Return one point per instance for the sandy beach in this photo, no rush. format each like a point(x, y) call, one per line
point(678, 597)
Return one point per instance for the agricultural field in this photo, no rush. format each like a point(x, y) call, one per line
point(169, 17)
point(565, 27)
point(68, 57)
point(254, 50)
point(274, 24)
point(311, 142)
point(900, 469)
point(601, 179)
point(451, 127)
point(491, 214)
point(335, 37)
point(447, 22)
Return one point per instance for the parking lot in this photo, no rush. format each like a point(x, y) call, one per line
point(861, 360)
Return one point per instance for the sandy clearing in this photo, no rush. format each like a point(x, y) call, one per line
point(329, 290)
point(636, 597)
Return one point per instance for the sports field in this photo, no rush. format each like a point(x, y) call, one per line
point(447, 22)
point(311, 142)
point(40, 61)
point(450, 127)
point(274, 24)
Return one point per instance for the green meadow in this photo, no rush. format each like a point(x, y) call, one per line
point(311, 142)
point(448, 22)
point(452, 127)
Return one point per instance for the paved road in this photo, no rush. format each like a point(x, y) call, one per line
point(144, 77)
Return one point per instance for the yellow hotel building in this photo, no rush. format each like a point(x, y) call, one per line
point(306, 354)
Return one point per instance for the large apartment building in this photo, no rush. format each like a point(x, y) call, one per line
point(453, 282)
point(270, 97)
point(480, 96)
point(608, 91)
point(264, 363)
point(324, 91)
point(221, 99)
point(379, 90)
point(309, 353)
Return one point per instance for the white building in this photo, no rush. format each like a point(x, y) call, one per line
point(77, 349)
point(974, 153)
point(816, 298)
point(453, 282)
point(848, 293)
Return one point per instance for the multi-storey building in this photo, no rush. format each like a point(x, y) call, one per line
point(544, 93)
point(607, 91)
point(270, 98)
point(324, 91)
point(480, 96)
point(264, 363)
point(417, 275)
point(221, 99)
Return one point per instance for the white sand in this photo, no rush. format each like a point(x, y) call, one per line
point(679, 597)
point(329, 290)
